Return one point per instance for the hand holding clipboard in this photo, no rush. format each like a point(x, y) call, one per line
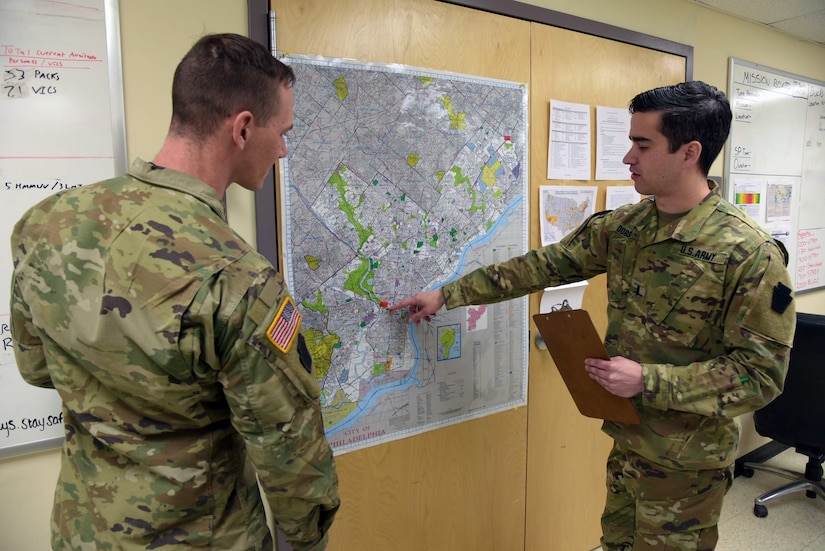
point(571, 338)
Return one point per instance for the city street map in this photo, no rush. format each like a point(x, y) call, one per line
point(399, 180)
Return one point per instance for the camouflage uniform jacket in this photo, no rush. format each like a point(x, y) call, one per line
point(158, 325)
point(704, 304)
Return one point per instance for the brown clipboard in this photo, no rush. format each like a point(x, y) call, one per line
point(571, 337)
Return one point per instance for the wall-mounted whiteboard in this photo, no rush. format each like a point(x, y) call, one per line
point(61, 107)
point(775, 165)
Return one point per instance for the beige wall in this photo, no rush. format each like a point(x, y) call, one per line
point(156, 33)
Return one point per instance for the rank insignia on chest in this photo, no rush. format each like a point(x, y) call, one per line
point(285, 326)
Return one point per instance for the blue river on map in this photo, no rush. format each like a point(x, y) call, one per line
point(375, 394)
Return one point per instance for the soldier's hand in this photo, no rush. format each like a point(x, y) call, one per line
point(422, 305)
point(618, 375)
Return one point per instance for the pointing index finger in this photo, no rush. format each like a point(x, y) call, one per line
point(406, 302)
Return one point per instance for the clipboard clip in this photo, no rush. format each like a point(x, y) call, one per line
point(562, 306)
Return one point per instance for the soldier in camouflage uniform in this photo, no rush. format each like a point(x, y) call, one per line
point(174, 345)
point(700, 321)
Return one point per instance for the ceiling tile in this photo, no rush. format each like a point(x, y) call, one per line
point(811, 26)
point(804, 19)
point(766, 11)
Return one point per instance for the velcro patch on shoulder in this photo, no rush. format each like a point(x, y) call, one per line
point(781, 298)
point(285, 326)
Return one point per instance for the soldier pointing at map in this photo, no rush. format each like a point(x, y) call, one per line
point(700, 320)
point(175, 347)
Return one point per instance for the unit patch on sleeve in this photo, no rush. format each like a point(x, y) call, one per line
point(285, 326)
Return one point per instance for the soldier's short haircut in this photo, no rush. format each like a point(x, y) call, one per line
point(690, 111)
point(224, 74)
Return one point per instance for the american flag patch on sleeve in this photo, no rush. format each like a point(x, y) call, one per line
point(285, 326)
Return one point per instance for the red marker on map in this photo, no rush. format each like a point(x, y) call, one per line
point(384, 303)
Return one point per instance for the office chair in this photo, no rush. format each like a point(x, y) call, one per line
point(796, 417)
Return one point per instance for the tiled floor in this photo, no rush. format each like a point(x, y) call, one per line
point(794, 523)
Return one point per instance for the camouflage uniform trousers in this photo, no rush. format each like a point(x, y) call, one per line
point(653, 508)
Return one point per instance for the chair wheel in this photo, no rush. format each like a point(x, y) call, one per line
point(760, 511)
point(811, 494)
point(747, 472)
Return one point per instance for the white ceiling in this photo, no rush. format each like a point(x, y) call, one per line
point(804, 19)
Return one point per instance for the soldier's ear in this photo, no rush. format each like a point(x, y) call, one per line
point(692, 151)
point(241, 128)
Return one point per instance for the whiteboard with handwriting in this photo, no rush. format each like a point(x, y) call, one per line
point(61, 105)
point(775, 164)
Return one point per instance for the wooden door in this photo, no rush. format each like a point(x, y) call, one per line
point(567, 452)
point(462, 486)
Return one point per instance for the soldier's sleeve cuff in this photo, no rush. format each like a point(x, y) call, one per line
point(656, 393)
point(452, 296)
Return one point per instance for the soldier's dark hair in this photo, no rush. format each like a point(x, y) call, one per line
point(223, 74)
point(690, 111)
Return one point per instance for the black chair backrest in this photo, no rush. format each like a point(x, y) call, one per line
point(797, 416)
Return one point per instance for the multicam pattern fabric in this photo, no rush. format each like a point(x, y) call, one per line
point(149, 315)
point(654, 508)
point(704, 304)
